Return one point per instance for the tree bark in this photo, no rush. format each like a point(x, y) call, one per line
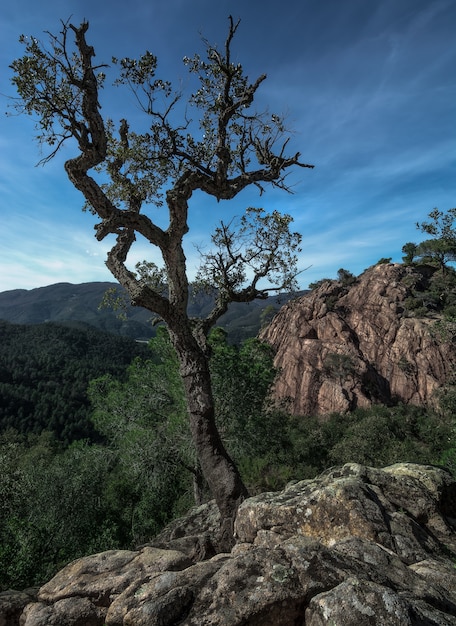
point(198, 484)
point(219, 470)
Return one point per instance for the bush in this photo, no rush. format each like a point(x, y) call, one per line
point(378, 436)
point(384, 261)
point(52, 507)
point(319, 283)
point(345, 277)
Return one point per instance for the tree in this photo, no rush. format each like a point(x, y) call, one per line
point(52, 506)
point(232, 147)
point(440, 225)
point(242, 379)
point(410, 250)
point(437, 252)
point(144, 423)
point(345, 277)
point(442, 247)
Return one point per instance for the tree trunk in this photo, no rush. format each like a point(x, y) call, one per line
point(220, 472)
point(198, 485)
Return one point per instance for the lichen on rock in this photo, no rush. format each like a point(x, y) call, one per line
point(356, 545)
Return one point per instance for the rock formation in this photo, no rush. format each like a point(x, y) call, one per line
point(355, 546)
point(347, 346)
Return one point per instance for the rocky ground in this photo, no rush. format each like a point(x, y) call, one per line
point(353, 547)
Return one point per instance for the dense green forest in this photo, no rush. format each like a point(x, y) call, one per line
point(45, 370)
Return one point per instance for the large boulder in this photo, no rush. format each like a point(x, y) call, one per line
point(347, 346)
point(12, 603)
point(354, 546)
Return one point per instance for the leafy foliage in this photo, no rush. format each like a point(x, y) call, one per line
point(345, 277)
point(144, 418)
point(441, 248)
point(440, 225)
point(261, 245)
point(437, 252)
point(384, 261)
point(339, 366)
point(410, 251)
point(57, 504)
point(434, 293)
point(145, 425)
point(319, 283)
point(53, 506)
point(251, 425)
point(378, 436)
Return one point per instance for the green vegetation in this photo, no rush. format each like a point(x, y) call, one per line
point(57, 503)
point(377, 437)
point(53, 506)
point(384, 261)
point(435, 292)
point(144, 422)
point(345, 277)
point(319, 283)
point(339, 366)
point(44, 373)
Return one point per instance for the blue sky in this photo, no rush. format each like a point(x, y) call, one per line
point(368, 87)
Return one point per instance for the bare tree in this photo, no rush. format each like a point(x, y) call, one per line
point(229, 148)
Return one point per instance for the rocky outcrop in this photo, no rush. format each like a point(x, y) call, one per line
point(342, 347)
point(12, 603)
point(355, 546)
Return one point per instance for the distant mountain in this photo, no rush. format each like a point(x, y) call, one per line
point(65, 302)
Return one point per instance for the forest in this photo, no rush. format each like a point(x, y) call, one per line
point(45, 370)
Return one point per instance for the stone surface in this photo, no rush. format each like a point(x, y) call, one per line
point(354, 546)
point(339, 348)
point(12, 604)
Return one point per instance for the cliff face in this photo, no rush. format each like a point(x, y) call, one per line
point(342, 347)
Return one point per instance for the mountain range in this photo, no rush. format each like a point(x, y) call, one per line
point(67, 302)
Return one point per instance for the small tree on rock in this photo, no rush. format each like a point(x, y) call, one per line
point(410, 250)
point(232, 147)
point(441, 249)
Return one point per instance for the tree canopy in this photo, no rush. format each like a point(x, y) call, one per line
point(45, 370)
point(441, 248)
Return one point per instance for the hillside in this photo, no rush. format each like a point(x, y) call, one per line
point(45, 370)
point(67, 302)
point(368, 340)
